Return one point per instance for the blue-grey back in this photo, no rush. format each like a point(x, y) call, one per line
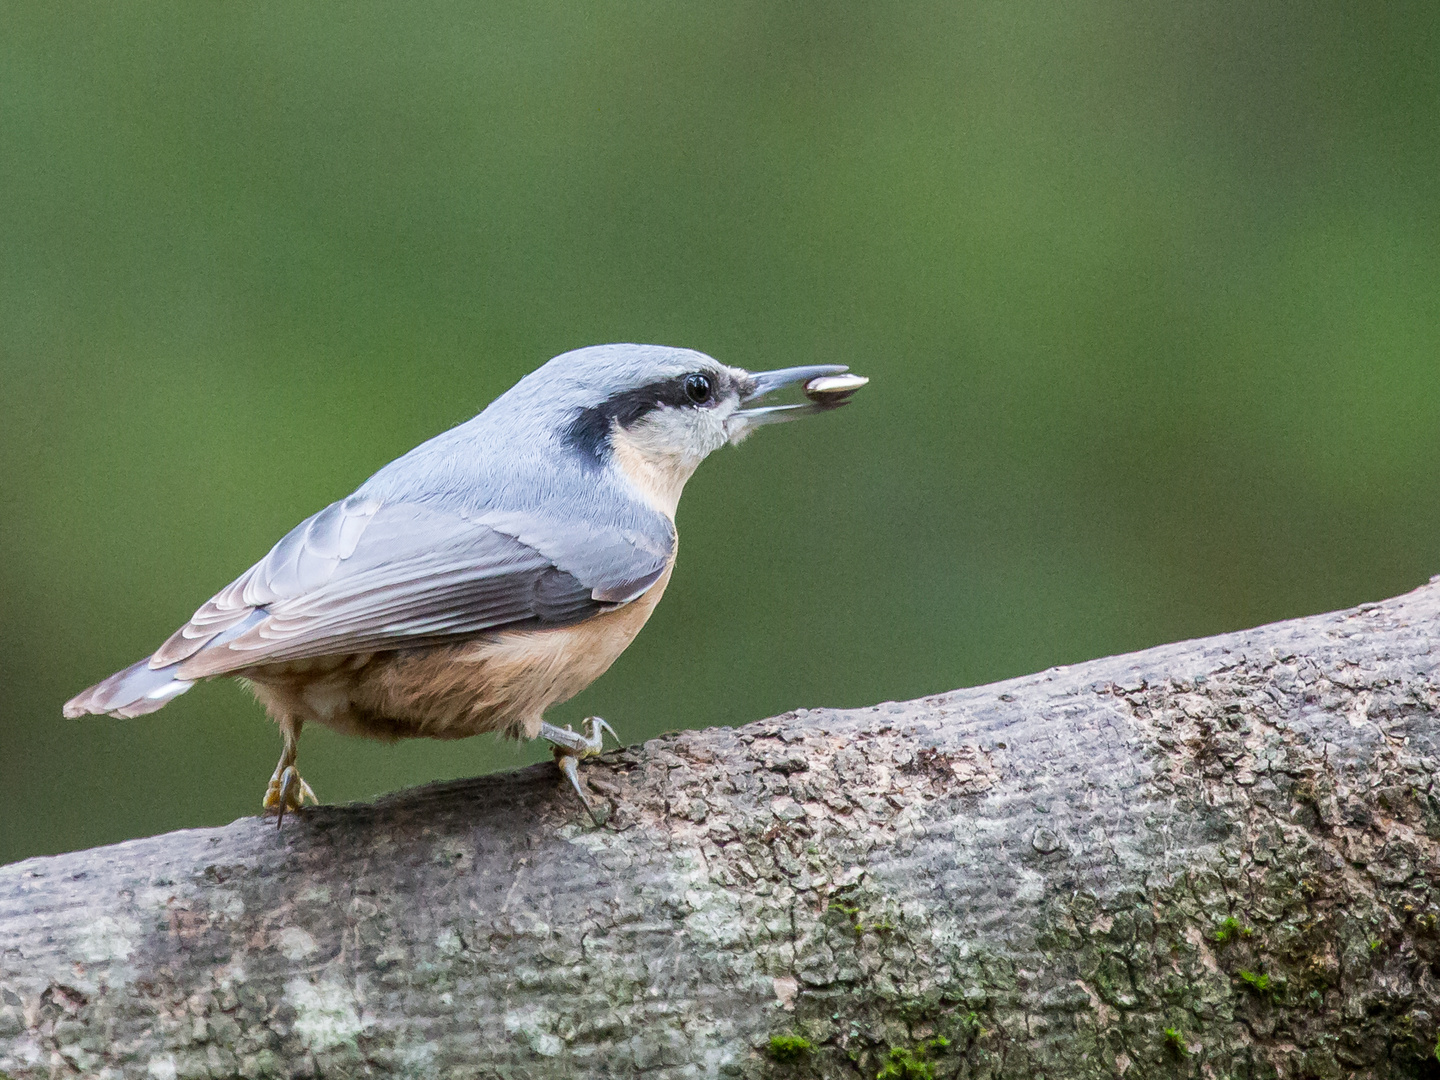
point(515, 460)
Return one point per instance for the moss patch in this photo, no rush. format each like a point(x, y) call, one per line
point(789, 1048)
point(1259, 983)
point(915, 1064)
point(1230, 928)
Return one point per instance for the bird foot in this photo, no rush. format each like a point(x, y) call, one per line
point(571, 748)
point(287, 791)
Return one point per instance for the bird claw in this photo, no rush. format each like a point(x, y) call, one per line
point(583, 746)
point(568, 766)
point(570, 748)
point(287, 791)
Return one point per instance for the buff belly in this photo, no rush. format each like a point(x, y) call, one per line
point(502, 683)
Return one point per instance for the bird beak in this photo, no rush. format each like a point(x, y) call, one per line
point(757, 384)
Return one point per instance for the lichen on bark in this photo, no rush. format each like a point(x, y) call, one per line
point(1212, 859)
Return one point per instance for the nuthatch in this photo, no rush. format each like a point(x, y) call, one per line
point(486, 575)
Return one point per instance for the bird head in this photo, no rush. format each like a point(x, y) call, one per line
point(655, 413)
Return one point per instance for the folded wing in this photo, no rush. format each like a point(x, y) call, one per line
point(363, 575)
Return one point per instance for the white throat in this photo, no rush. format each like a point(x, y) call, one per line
point(661, 452)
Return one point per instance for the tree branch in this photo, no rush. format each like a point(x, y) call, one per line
point(1214, 858)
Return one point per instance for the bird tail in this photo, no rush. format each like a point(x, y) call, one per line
point(137, 690)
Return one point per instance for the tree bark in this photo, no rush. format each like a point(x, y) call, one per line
point(1210, 859)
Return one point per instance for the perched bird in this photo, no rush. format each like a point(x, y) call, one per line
point(486, 575)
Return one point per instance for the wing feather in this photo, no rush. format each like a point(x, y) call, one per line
point(363, 575)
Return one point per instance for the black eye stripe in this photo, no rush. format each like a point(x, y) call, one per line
point(590, 430)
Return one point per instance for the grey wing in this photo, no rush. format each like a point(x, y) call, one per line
point(364, 575)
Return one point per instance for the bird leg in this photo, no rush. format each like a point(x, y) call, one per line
point(571, 748)
point(287, 790)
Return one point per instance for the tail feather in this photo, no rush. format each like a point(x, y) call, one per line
point(140, 688)
point(137, 690)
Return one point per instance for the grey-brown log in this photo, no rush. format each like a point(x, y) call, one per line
point(1211, 859)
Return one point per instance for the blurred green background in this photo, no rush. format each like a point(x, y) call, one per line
point(1150, 294)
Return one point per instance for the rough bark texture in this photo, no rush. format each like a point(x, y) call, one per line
point(1212, 859)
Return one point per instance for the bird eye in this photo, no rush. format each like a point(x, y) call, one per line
point(697, 388)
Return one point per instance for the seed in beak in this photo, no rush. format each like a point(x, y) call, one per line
point(830, 391)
